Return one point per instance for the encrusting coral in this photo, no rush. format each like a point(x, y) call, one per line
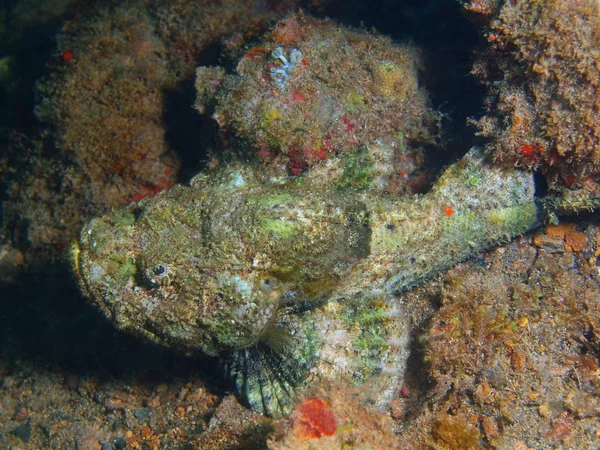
point(543, 71)
point(513, 350)
point(103, 103)
point(106, 103)
point(312, 89)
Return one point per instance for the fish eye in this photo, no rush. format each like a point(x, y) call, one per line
point(158, 273)
point(160, 270)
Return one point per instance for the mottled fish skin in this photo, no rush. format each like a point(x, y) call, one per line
point(293, 280)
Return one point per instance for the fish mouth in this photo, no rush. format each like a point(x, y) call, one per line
point(77, 253)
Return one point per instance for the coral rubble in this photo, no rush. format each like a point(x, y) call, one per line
point(513, 350)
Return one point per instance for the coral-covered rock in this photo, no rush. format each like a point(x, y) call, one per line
point(513, 350)
point(312, 88)
point(543, 72)
point(104, 101)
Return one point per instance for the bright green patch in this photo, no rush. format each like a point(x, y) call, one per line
point(123, 218)
point(354, 101)
point(367, 320)
point(279, 228)
point(273, 200)
point(269, 117)
point(357, 171)
point(402, 144)
point(125, 271)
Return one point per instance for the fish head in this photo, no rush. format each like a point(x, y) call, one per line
point(151, 284)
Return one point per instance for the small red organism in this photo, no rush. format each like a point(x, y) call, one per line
point(319, 153)
point(349, 125)
point(531, 151)
point(67, 56)
point(304, 62)
point(297, 160)
point(148, 190)
point(264, 152)
point(570, 180)
point(298, 96)
point(256, 51)
point(448, 210)
point(527, 150)
point(313, 418)
point(288, 31)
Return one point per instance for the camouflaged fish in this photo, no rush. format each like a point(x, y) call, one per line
point(294, 280)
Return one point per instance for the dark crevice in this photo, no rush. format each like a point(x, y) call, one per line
point(187, 133)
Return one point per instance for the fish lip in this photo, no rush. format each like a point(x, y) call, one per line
point(75, 251)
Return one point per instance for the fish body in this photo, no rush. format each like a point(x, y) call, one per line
point(293, 280)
